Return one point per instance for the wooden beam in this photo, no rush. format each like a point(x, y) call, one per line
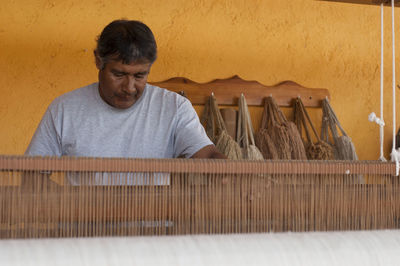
point(228, 91)
point(366, 2)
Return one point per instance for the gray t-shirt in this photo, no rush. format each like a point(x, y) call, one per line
point(161, 124)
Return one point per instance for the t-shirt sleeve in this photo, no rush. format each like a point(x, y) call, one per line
point(46, 140)
point(190, 135)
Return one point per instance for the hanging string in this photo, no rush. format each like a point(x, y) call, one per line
point(395, 155)
point(381, 132)
point(372, 117)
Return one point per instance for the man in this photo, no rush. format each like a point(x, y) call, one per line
point(122, 115)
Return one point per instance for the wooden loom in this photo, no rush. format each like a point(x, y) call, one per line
point(197, 197)
point(190, 197)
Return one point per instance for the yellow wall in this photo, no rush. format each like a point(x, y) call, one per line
point(46, 50)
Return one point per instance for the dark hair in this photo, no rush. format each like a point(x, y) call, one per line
point(126, 40)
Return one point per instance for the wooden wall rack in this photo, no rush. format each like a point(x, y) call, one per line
point(228, 91)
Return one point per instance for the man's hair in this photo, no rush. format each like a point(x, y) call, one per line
point(128, 41)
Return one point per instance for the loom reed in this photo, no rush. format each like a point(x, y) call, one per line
point(175, 197)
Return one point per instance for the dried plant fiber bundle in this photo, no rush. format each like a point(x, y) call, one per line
point(343, 146)
point(266, 145)
point(283, 134)
point(295, 142)
point(227, 145)
point(208, 121)
point(320, 150)
point(266, 137)
point(216, 130)
point(245, 133)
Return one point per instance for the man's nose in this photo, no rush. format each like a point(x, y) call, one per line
point(129, 85)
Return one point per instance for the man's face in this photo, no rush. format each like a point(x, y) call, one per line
point(121, 85)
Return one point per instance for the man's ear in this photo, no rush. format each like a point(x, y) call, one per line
point(99, 62)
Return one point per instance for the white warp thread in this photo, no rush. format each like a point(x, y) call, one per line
point(352, 248)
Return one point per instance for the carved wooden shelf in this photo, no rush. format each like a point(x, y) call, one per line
point(228, 91)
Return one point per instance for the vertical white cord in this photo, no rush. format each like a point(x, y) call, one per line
point(394, 79)
point(395, 156)
point(372, 116)
point(381, 132)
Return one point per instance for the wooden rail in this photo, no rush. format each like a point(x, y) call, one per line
point(228, 91)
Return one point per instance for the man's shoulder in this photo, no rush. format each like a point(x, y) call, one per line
point(158, 90)
point(165, 95)
point(76, 96)
point(78, 93)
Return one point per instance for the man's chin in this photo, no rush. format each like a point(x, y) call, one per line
point(123, 104)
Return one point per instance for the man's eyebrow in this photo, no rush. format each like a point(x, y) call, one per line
point(141, 73)
point(119, 72)
point(126, 73)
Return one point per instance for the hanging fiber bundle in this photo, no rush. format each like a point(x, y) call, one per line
point(227, 145)
point(296, 143)
point(276, 131)
point(208, 121)
point(264, 141)
point(344, 147)
point(245, 132)
point(216, 130)
point(284, 134)
point(320, 150)
point(266, 145)
point(277, 128)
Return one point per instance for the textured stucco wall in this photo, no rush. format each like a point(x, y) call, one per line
point(46, 49)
